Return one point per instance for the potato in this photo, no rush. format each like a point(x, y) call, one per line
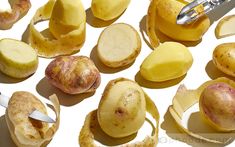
point(24, 130)
point(168, 61)
point(224, 59)
point(118, 45)
point(19, 9)
point(108, 9)
point(67, 15)
point(225, 27)
point(162, 15)
point(17, 59)
point(73, 74)
point(217, 103)
point(121, 111)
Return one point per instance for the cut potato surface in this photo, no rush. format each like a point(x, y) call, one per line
point(225, 27)
point(118, 45)
point(17, 59)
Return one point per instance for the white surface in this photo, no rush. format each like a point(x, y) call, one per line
point(74, 109)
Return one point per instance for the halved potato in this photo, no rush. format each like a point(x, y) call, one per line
point(17, 59)
point(24, 130)
point(225, 27)
point(118, 45)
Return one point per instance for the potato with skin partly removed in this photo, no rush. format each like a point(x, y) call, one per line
point(108, 9)
point(24, 130)
point(73, 74)
point(118, 45)
point(224, 58)
point(162, 15)
point(121, 111)
point(17, 59)
point(168, 61)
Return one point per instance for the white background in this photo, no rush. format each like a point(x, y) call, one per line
point(75, 108)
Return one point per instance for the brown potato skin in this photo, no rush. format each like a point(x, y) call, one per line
point(73, 74)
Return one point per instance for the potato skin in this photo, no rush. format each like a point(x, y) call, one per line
point(224, 58)
point(73, 74)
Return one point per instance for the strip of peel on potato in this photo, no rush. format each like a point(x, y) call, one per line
point(30, 132)
point(92, 130)
point(65, 44)
point(19, 9)
point(185, 99)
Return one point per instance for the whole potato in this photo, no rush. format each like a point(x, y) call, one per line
point(168, 61)
point(73, 74)
point(108, 9)
point(217, 103)
point(224, 58)
point(162, 15)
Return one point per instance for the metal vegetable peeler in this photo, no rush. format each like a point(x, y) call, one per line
point(189, 13)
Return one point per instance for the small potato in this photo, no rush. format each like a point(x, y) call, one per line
point(108, 9)
point(224, 58)
point(168, 61)
point(73, 74)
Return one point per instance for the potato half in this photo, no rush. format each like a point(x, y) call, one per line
point(118, 45)
point(17, 59)
point(225, 27)
point(24, 130)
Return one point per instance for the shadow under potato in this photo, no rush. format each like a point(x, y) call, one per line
point(9, 80)
point(5, 136)
point(103, 68)
point(175, 133)
point(157, 85)
point(96, 22)
point(45, 89)
point(213, 72)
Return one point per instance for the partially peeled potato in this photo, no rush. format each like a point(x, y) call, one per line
point(24, 130)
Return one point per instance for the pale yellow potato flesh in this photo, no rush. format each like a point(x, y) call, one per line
point(17, 59)
point(225, 27)
point(168, 61)
point(108, 9)
point(118, 45)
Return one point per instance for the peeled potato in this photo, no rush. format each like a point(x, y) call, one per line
point(67, 15)
point(118, 45)
point(73, 74)
point(225, 27)
point(168, 61)
point(17, 59)
point(24, 130)
point(121, 110)
point(224, 58)
point(162, 15)
point(108, 9)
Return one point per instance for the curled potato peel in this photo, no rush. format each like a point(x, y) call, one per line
point(19, 8)
point(91, 125)
point(185, 98)
point(65, 44)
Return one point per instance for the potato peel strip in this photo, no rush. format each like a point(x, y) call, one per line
point(50, 47)
point(185, 98)
point(86, 137)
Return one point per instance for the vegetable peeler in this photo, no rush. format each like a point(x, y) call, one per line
point(35, 114)
point(190, 13)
